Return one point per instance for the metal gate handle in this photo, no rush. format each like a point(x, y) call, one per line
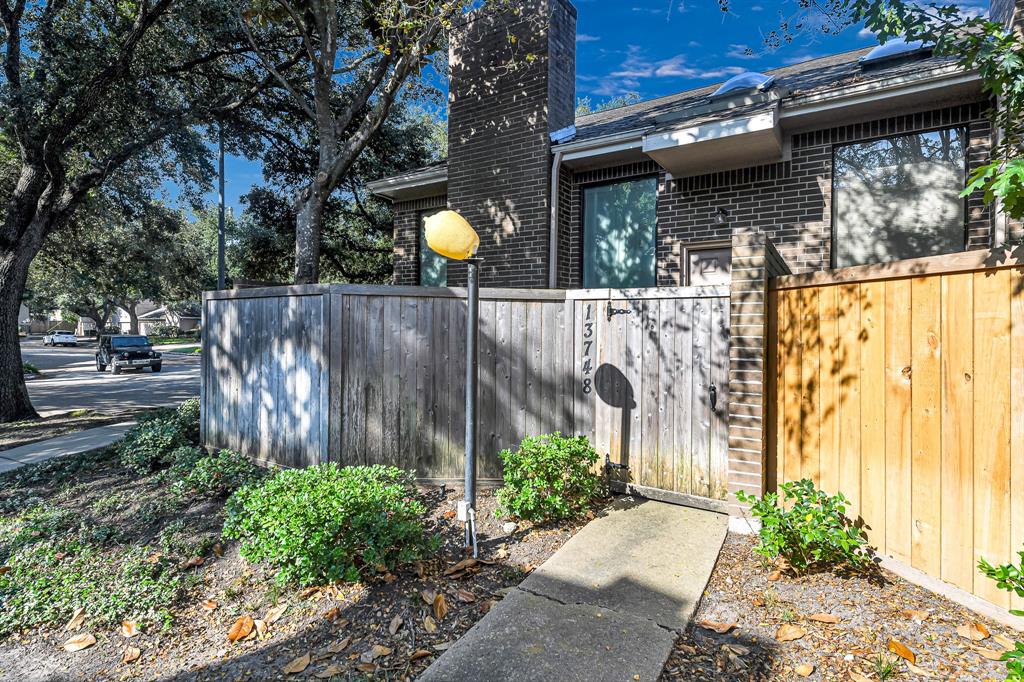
point(713, 394)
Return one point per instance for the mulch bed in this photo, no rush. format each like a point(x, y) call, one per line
point(869, 612)
point(378, 630)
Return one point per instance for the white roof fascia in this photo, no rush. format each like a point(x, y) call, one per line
point(599, 146)
point(711, 130)
point(428, 177)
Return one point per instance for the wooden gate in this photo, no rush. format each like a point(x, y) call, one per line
point(652, 383)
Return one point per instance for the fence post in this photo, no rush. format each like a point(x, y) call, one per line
point(754, 260)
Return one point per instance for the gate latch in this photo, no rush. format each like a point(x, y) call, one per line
point(618, 311)
point(609, 465)
point(713, 395)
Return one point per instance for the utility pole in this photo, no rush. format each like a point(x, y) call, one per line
point(221, 266)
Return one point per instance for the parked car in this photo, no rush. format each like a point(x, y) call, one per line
point(59, 338)
point(126, 352)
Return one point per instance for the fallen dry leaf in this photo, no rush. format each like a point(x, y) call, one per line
point(297, 666)
point(990, 654)
point(261, 627)
point(77, 618)
point(129, 629)
point(131, 654)
point(241, 628)
point(338, 647)
point(396, 623)
point(218, 549)
point(902, 650)
point(1004, 642)
point(419, 653)
point(461, 566)
point(915, 615)
point(333, 614)
point(274, 613)
point(823, 618)
point(857, 677)
point(920, 672)
point(79, 642)
point(775, 575)
point(428, 596)
point(720, 628)
point(466, 596)
point(366, 667)
point(208, 604)
point(440, 607)
point(193, 562)
point(309, 592)
point(757, 601)
point(804, 670)
point(973, 631)
point(389, 578)
point(429, 624)
point(329, 671)
point(154, 557)
point(5, 569)
point(788, 632)
point(379, 650)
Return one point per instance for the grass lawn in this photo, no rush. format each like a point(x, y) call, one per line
point(90, 550)
point(32, 430)
point(172, 340)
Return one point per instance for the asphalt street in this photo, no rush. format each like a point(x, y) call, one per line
point(70, 381)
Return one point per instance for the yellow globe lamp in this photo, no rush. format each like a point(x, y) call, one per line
point(450, 235)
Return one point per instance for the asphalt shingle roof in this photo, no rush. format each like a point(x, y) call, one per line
point(799, 79)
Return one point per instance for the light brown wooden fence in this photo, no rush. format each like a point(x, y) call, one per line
point(300, 375)
point(903, 387)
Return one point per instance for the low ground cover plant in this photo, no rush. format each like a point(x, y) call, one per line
point(216, 475)
point(29, 368)
point(328, 523)
point(549, 478)
point(807, 527)
point(1009, 577)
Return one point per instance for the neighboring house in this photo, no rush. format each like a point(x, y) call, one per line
point(163, 316)
point(849, 159)
point(151, 315)
point(23, 314)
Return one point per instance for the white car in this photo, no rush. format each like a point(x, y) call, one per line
point(59, 338)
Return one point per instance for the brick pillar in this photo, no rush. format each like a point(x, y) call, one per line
point(754, 260)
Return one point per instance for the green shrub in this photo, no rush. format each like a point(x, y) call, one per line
point(182, 461)
point(548, 478)
point(152, 443)
point(29, 368)
point(217, 475)
point(1009, 577)
point(327, 523)
point(187, 416)
point(808, 528)
point(149, 444)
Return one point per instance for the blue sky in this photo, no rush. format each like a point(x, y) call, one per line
point(659, 47)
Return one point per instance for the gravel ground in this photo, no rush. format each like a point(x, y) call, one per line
point(374, 631)
point(755, 613)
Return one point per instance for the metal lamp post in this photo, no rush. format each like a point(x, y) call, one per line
point(450, 235)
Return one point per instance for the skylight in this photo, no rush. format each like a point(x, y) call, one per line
point(896, 47)
point(749, 80)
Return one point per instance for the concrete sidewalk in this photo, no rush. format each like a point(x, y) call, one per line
point(608, 605)
point(71, 444)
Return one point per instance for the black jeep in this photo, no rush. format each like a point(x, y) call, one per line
point(126, 352)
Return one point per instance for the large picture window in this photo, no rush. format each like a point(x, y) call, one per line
point(433, 266)
point(619, 232)
point(899, 198)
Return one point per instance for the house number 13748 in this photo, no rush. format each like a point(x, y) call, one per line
point(588, 348)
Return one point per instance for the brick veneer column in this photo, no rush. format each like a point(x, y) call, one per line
point(754, 260)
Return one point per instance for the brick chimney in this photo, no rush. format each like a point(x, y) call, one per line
point(513, 83)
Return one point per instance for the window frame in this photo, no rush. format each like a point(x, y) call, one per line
point(834, 228)
point(421, 216)
point(582, 189)
point(707, 245)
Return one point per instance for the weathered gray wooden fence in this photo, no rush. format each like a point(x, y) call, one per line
point(362, 375)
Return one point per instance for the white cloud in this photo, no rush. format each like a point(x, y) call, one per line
point(865, 33)
point(757, 8)
point(586, 38)
point(637, 67)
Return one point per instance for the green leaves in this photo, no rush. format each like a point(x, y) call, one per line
point(327, 523)
point(808, 528)
point(548, 478)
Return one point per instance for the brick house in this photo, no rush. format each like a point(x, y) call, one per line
point(849, 159)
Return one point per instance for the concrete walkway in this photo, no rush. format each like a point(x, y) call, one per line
point(608, 605)
point(71, 444)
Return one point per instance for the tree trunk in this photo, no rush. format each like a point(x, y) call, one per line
point(308, 220)
point(133, 317)
point(14, 401)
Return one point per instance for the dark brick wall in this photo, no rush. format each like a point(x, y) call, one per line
point(789, 201)
point(407, 242)
point(499, 123)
